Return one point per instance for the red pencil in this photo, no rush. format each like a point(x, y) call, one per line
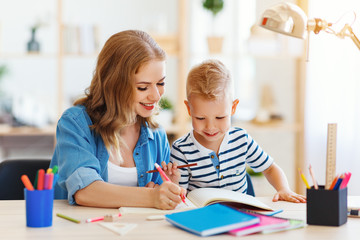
point(162, 173)
point(181, 166)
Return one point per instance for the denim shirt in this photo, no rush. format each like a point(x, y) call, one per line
point(82, 157)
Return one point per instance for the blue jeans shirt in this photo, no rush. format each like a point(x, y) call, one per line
point(82, 157)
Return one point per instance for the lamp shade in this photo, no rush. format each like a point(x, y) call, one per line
point(285, 18)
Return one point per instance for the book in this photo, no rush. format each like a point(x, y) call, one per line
point(266, 223)
point(211, 220)
point(293, 224)
point(201, 197)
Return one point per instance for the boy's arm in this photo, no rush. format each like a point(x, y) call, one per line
point(276, 177)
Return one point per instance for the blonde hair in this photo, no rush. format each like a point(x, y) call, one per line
point(109, 99)
point(210, 79)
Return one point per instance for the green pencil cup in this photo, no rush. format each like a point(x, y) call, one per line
point(326, 207)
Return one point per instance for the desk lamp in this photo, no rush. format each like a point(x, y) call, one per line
point(291, 20)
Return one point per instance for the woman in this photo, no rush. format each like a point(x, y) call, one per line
point(108, 140)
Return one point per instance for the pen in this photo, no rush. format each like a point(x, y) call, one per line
point(181, 166)
point(68, 218)
point(304, 179)
point(313, 177)
point(162, 173)
point(26, 181)
point(99, 218)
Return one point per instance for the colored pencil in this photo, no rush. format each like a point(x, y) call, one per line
point(68, 218)
point(181, 166)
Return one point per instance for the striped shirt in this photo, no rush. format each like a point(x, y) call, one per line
point(227, 170)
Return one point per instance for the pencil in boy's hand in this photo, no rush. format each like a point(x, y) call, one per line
point(181, 166)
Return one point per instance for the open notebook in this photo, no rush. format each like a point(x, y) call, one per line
point(206, 196)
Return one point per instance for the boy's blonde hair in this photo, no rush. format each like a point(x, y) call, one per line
point(210, 79)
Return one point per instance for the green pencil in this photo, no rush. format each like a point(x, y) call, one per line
point(68, 218)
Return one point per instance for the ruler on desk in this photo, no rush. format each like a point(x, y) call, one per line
point(330, 154)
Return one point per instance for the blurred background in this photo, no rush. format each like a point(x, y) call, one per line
point(48, 51)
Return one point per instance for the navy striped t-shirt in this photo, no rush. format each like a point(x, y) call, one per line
point(226, 171)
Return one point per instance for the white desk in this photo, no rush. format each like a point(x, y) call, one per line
point(13, 225)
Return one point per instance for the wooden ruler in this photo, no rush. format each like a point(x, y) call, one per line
point(331, 154)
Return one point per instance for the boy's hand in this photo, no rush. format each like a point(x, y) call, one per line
point(289, 196)
point(171, 171)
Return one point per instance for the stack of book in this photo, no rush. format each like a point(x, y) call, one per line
point(219, 218)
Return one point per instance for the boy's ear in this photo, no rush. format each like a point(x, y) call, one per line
point(234, 105)
point(187, 106)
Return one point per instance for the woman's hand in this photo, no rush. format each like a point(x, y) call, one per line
point(167, 195)
point(171, 171)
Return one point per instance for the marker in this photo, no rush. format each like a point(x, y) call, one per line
point(55, 169)
point(68, 218)
point(181, 166)
point(56, 176)
point(304, 179)
point(49, 177)
point(41, 179)
point(26, 181)
point(162, 173)
point(49, 170)
point(99, 218)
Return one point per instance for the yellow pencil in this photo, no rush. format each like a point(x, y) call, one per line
point(304, 179)
point(68, 218)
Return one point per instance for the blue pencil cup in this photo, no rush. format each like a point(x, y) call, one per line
point(39, 207)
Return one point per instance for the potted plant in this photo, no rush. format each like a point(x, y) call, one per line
point(165, 116)
point(214, 42)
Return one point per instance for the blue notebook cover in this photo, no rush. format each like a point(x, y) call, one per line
point(210, 220)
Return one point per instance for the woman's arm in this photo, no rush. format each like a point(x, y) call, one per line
point(276, 177)
point(103, 194)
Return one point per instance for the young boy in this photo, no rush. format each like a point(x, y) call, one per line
point(220, 151)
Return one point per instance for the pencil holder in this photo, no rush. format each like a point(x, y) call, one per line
point(39, 207)
point(326, 207)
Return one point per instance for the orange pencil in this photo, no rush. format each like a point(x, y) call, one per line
point(27, 183)
point(333, 183)
point(41, 179)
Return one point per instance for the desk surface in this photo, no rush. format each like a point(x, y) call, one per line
point(13, 224)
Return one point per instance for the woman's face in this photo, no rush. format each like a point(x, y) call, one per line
point(150, 86)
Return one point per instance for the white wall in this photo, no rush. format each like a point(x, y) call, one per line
point(333, 83)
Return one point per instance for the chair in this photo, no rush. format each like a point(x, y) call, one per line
point(250, 188)
point(11, 186)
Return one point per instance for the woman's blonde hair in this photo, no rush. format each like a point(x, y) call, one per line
point(109, 99)
point(210, 79)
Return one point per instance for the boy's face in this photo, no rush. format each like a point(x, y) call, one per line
point(211, 119)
